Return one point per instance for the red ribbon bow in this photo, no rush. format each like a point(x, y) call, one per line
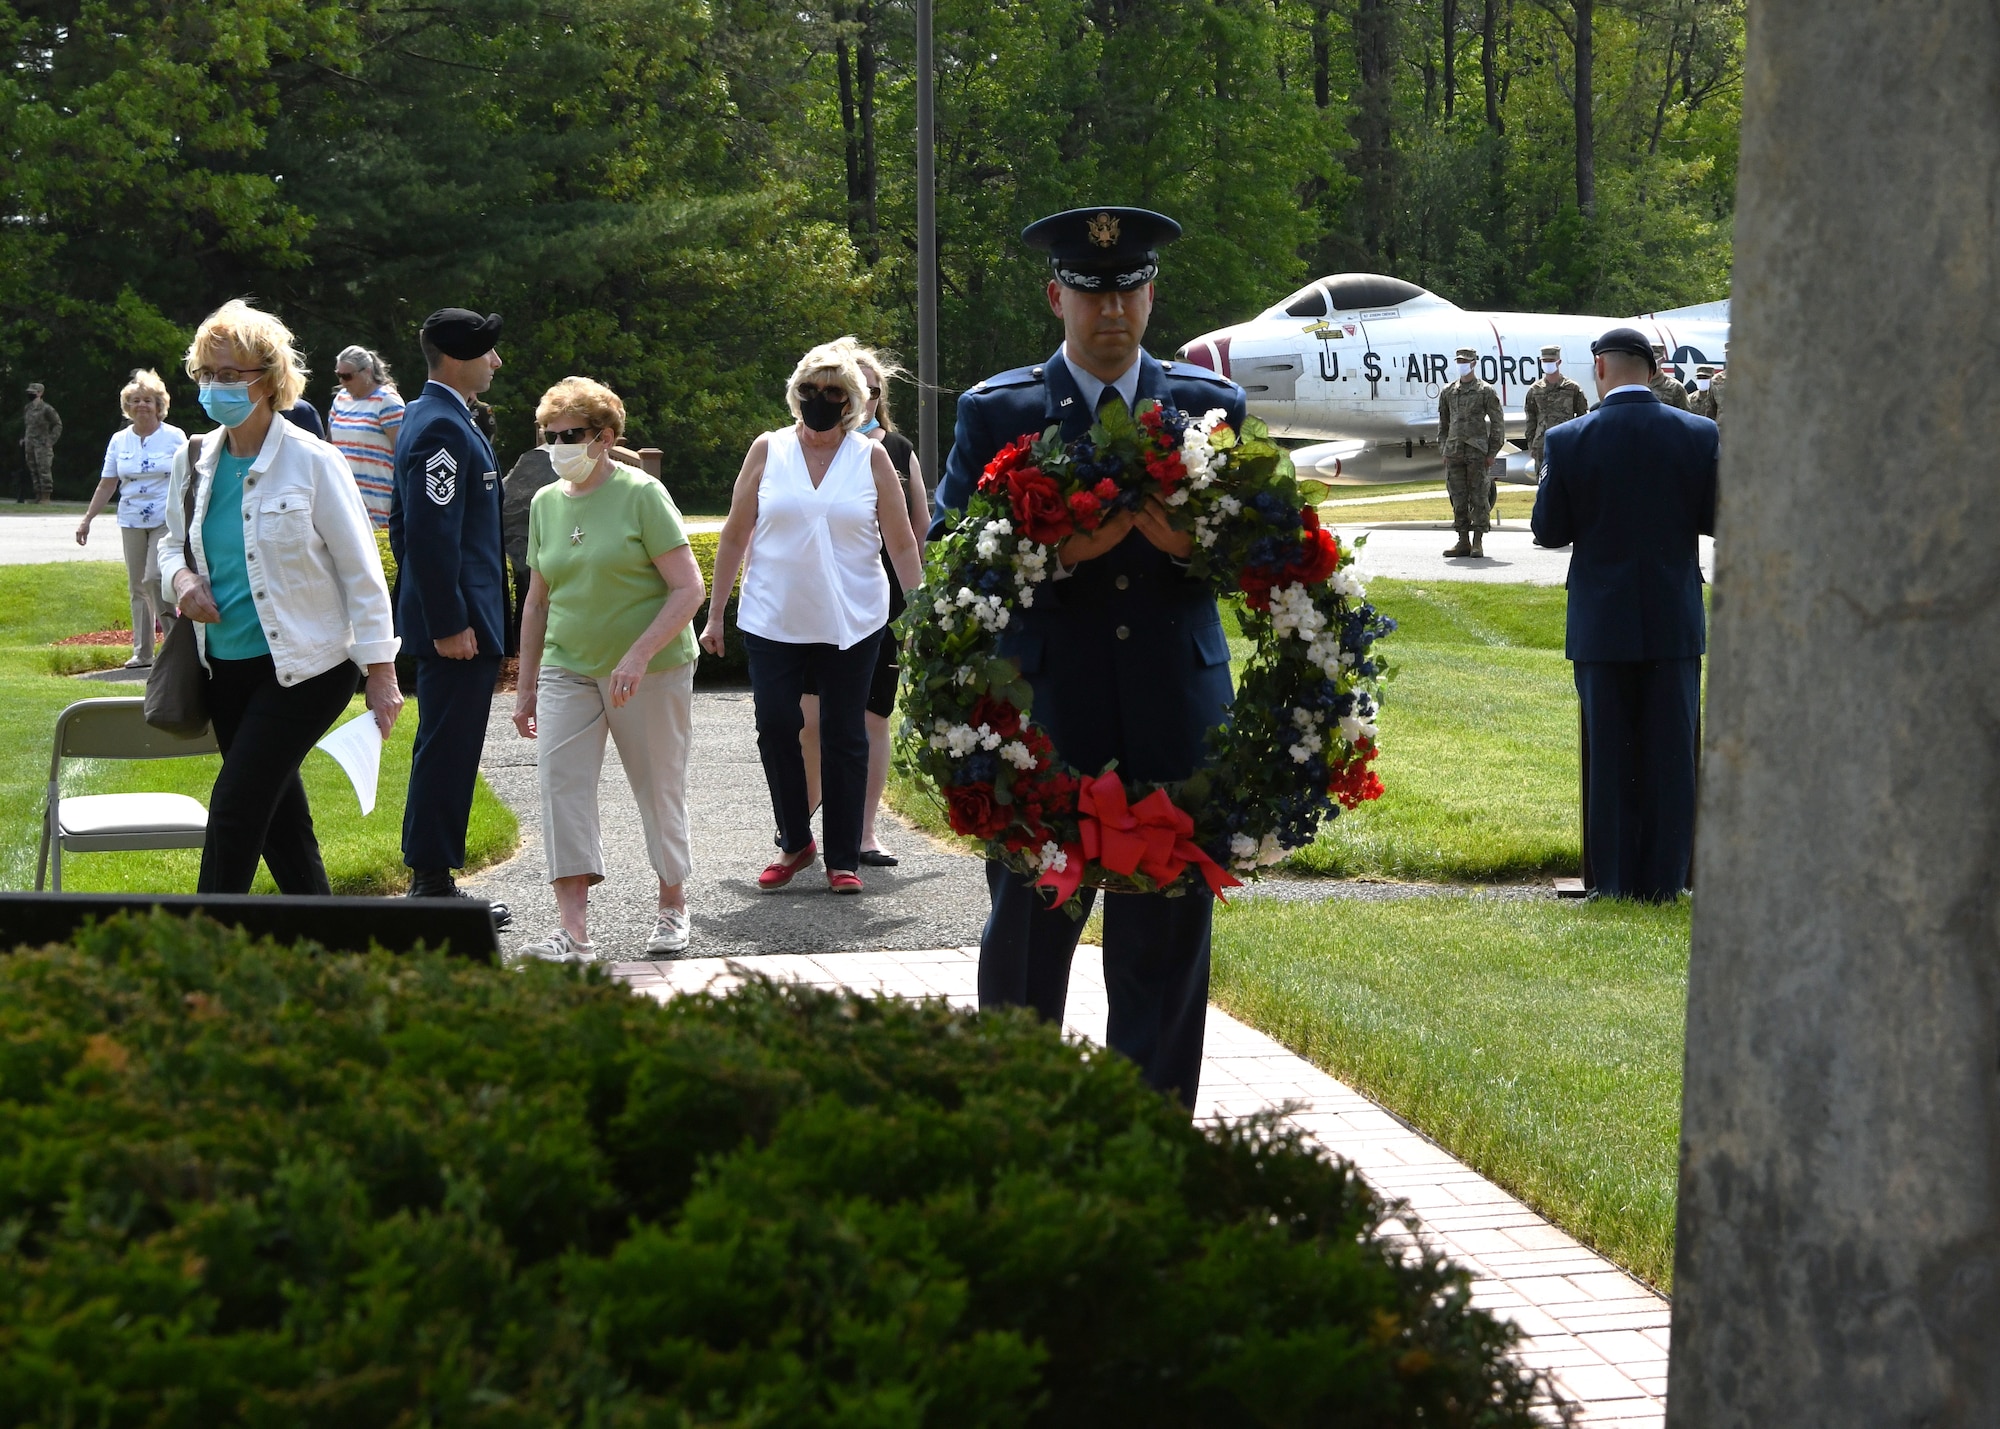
point(1151, 837)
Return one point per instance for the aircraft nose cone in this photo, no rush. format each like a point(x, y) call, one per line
point(1211, 350)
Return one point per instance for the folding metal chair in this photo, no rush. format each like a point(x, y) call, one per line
point(102, 823)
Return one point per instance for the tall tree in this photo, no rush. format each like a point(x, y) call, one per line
point(1372, 124)
point(1578, 20)
point(1489, 64)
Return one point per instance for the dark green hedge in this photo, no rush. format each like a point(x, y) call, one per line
point(241, 1184)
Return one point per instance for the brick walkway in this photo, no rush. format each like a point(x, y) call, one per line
point(1602, 1334)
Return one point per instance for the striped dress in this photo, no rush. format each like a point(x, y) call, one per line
point(364, 429)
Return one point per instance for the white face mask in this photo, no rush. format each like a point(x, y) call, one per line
point(1552, 365)
point(1464, 369)
point(572, 460)
point(1701, 384)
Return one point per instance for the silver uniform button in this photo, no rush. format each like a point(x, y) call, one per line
point(1123, 582)
point(1124, 632)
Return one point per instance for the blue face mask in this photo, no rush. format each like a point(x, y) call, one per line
point(868, 426)
point(228, 402)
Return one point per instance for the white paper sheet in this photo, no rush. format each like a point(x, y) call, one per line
point(357, 747)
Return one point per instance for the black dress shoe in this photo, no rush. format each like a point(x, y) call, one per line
point(426, 883)
point(879, 858)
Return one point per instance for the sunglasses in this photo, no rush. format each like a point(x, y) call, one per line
point(346, 376)
point(569, 437)
point(834, 394)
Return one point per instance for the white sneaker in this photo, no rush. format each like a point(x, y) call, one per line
point(557, 947)
point(670, 932)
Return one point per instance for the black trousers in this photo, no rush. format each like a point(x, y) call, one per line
point(258, 806)
point(1639, 723)
point(1155, 970)
point(454, 702)
point(778, 671)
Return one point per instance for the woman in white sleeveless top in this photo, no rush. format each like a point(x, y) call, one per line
point(814, 506)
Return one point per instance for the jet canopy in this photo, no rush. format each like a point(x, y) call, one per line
point(1347, 293)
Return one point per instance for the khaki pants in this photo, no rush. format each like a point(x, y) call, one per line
point(573, 714)
point(142, 580)
point(1466, 482)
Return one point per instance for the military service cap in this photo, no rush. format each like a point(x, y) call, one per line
point(1468, 354)
point(1627, 340)
point(1103, 250)
point(34, 389)
point(1704, 369)
point(1552, 350)
point(462, 333)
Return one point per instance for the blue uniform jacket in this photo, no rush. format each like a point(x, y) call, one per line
point(444, 527)
point(1630, 485)
point(1127, 656)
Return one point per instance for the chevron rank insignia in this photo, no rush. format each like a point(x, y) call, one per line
point(441, 477)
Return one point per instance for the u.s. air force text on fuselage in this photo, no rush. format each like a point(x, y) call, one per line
point(1358, 359)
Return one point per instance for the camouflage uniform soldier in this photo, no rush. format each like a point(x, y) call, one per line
point(1551, 401)
point(1702, 404)
point(41, 429)
point(1471, 431)
point(1665, 385)
point(1715, 394)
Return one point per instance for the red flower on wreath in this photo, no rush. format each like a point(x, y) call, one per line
point(973, 811)
point(1319, 552)
point(1040, 513)
point(1256, 586)
point(1087, 510)
point(1005, 461)
point(1354, 782)
point(1167, 470)
point(997, 715)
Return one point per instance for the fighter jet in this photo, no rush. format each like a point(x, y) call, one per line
point(1354, 364)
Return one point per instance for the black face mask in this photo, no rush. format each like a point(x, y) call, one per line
point(821, 414)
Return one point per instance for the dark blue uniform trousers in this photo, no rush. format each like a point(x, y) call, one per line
point(1639, 722)
point(1155, 969)
point(454, 702)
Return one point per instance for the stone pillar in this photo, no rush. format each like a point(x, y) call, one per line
point(1838, 1260)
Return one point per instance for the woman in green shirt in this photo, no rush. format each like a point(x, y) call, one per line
point(606, 648)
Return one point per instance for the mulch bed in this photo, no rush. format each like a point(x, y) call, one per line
point(99, 637)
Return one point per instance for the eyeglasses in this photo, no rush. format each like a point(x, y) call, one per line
point(229, 376)
point(874, 394)
point(346, 376)
point(568, 436)
point(834, 394)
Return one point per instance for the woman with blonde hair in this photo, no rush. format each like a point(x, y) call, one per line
point(137, 466)
point(278, 568)
point(879, 426)
point(607, 647)
point(813, 508)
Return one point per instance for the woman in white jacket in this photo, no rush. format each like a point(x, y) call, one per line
point(280, 572)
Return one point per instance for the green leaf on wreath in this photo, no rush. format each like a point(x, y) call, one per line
point(1117, 424)
point(1313, 492)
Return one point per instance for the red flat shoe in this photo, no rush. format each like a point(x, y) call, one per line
point(786, 869)
point(842, 882)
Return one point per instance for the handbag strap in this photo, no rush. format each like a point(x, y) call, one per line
point(187, 498)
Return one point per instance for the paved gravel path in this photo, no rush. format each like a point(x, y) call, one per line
point(935, 898)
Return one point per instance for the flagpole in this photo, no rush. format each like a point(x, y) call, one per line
point(927, 276)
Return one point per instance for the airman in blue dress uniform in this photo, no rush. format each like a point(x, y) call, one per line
point(451, 610)
point(1125, 653)
point(1632, 486)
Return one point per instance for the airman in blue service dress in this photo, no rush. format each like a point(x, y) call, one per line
point(1632, 485)
point(1128, 662)
point(444, 530)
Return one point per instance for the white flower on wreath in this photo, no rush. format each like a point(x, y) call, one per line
point(1306, 748)
point(992, 536)
point(1242, 851)
point(1360, 723)
point(1347, 585)
point(1228, 505)
point(1270, 851)
point(1017, 754)
point(1050, 856)
point(1293, 613)
point(1326, 653)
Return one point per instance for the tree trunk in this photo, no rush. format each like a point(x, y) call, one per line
point(1371, 122)
point(865, 67)
point(1449, 11)
point(1322, 50)
point(1489, 64)
point(843, 68)
point(1586, 151)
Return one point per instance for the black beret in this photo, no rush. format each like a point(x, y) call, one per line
point(462, 333)
point(1103, 250)
point(1627, 340)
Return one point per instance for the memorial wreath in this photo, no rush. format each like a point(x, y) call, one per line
point(1298, 745)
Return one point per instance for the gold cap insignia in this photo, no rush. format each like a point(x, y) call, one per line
point(1104, 230)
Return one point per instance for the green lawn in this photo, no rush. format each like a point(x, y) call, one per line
point(41, 604)
point(1540, 1042)
point(1479, 742)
